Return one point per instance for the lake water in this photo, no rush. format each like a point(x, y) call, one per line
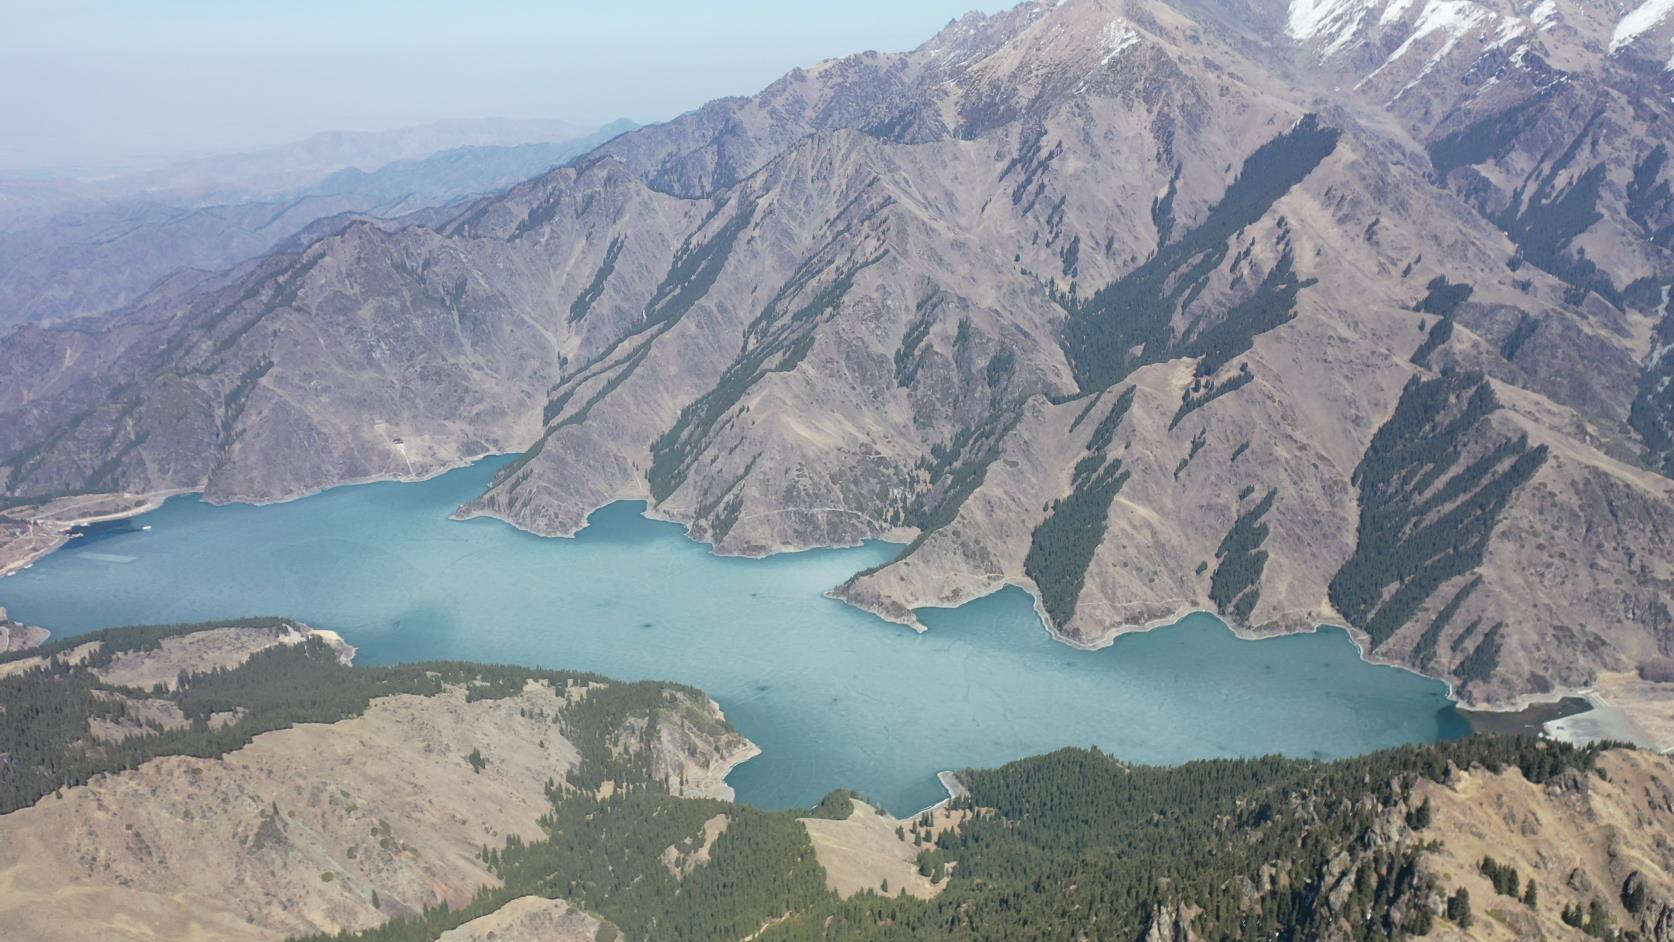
point(834, 696)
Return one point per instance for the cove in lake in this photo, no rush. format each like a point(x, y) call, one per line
point(834, 696)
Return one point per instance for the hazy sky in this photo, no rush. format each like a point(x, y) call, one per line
point(84, 82)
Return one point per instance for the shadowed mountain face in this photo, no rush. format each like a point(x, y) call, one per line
point(1337, 310)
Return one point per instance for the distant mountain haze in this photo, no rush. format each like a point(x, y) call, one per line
point(95, 254)
point(110, 87)
point(272, 169)
point(463, 171)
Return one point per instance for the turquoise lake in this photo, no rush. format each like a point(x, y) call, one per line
point(835, 697)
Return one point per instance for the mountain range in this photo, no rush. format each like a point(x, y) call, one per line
point(1300, 311)
point(264, 171)
point(97, 247)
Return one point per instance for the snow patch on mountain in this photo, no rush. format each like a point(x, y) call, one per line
point(1310, 19)
point(1119, 35)
point(1435, 30)
point(1331, 25)
point(1643, 19)
point(1452, 18)
point(1393, 12)
point(1335, 24)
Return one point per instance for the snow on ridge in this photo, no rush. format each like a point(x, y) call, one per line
point(1339, 22)
point(1449, 22)
point(1336, 23)
point(1119, 34)
point(1646, 17)
point(1311, 18)
point(1452, 17)
point(1394, 12)
point(1643, 19)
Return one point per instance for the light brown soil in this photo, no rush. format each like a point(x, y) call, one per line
point(196, 653)
point(682, 859)
point(530, 919)
point(862, 851)
point(1578, 839)
point(75, 655)
point(145, 714)
point(240, 847)
point(15, 637)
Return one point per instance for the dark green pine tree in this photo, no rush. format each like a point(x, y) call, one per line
point(1459, 908)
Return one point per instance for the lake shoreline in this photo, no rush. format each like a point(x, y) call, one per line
point(47, 535)
point(354, 523)
point(149, 501)
point(1107, 638)
point(1104, 640)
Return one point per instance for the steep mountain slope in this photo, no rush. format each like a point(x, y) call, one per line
point(1303, 312)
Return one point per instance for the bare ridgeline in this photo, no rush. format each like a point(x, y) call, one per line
point(1334, 311)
